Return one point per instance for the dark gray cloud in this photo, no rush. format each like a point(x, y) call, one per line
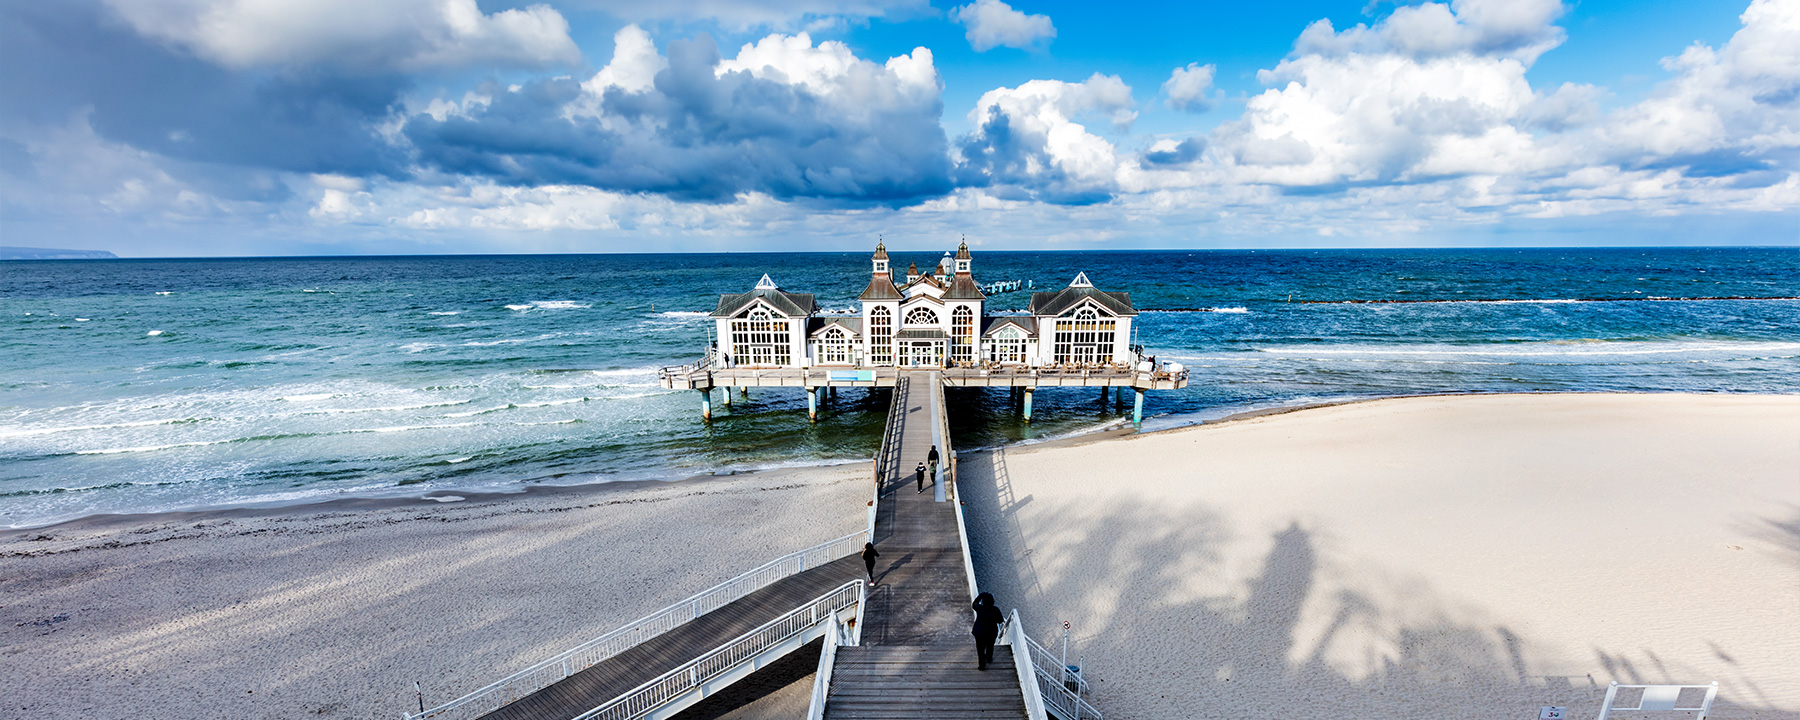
point(697, 135)
point(1017, 165)
point(64, 59)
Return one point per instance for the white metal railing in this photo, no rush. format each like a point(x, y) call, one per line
point(694, 673)
point(1014, 636)
point(1666, 698)
point(834, 636)
point(1053, 683)
point(590, 653)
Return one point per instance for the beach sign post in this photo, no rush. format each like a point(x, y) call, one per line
point(1553, 713)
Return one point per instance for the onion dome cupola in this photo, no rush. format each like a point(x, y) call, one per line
point(881, 282)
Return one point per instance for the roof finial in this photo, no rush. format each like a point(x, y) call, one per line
point(1081, 281)
point(766, 284)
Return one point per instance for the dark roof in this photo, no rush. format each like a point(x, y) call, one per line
point(962, 251)
point(989, 325)
point(786, 303)
point(881, 287)
point(963, 287)
point(880, 251)
point(921, 334)
point(1059, 302)
point(848, 322)
point(926, 279)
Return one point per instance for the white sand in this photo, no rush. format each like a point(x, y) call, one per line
point(336, 613)
point(1445, 557)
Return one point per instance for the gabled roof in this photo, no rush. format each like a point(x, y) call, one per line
point(1059, 302)
point(923, 279)
point(993, 324)
point(881, 287)
point(848, 322)
point(963, 287)
point(784, 302)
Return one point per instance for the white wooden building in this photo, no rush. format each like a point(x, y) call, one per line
point(932, 319)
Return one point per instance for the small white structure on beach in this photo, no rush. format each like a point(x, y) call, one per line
point(934, 319)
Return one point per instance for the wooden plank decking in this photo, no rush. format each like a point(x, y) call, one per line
point(611, 678)
point(917, 659)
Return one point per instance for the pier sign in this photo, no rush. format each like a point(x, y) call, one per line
point(853, 376)
point(1553, 713)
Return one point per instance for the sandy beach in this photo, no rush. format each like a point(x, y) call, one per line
point(1462, 557)
point(335, 611)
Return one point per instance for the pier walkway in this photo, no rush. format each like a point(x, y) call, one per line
point(611, 678)
point(917, 659)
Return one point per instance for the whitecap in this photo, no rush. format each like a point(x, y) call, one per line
point(1230, 310)
point(518, 307)
point(81, 319)
point(164, 292)
point(447, 498)
point(153, 333)
point(560, 305)
point(308, 398)
point(448, 312)
point(685, 314)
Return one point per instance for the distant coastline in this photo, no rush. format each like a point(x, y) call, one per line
point(27, 253)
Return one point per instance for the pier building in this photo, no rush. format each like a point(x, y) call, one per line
point(937, 319)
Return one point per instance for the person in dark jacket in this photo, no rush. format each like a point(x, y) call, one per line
point(919, 477)
point(869, 556)
point(933, 460)
point(986, 630)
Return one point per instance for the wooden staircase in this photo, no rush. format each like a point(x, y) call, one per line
point(932, 682)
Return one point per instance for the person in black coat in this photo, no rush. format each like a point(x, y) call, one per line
point(869, 556)
point(933, 459)
point(919, 477)
point(986, 630)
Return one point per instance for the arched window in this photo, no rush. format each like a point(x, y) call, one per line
point(962, 334)
point(1006, 346)
point(1084, 338)
point(760, 339)
point(834, 347)
point(921, 316)
point(881, 336)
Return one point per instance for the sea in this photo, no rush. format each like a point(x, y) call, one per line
point(133, 386)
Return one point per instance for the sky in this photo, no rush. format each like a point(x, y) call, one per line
point(346, 127)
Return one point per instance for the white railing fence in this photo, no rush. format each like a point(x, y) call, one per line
point(1663, 698)
point(581, 657)
point(1053, 680)
point(693, 674)
point(835, 636)
point(1013, 635)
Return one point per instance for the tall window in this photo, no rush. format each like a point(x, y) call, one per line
point(962, 334)
point(760, 339)
point(834, 347)
point(1084, 338)
point(881, 336)
point(921, 316)
point(1006, 346)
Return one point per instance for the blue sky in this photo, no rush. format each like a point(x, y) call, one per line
point(271, 127)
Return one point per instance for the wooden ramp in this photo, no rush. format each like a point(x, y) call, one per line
point(621, 673)
point(917, 658)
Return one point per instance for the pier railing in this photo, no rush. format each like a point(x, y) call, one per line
point(1054, 682)
point(691, 675)
point(588, 654)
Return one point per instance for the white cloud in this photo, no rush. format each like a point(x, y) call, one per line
point(356, 34)
point(993, 24)
point(742, 15)
point(634, 64)
point(1187, 87)
point(1027, 137)
point(1517, 29)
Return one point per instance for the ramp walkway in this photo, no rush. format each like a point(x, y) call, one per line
point(917, 659)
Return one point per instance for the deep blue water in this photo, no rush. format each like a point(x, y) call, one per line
point(142, 385)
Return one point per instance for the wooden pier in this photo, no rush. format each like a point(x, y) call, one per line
point(917, 658)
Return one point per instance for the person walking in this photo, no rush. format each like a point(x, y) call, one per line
point(986, 630)
point(869, 556)
point(919, 477)
point(933, 459)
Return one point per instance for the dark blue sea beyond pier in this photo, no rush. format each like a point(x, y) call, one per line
point(146, 385)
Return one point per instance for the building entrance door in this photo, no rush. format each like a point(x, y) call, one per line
point(1085, 354)
point(758, 355)
point(922, 354)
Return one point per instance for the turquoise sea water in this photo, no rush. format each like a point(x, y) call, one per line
point(147, 385)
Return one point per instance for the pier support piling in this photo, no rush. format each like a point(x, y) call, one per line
point(812, 404)
point(1137, 409)
point(1027, 405)
point(706, 404)
point(745, 390)
point(727, 395)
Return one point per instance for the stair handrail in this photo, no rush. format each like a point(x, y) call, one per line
point(691, 675)
point(1053, 685)
point(588, 654)
point(822, 677)
point(1028, 684)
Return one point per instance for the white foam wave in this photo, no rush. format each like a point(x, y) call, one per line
point(551, 305)
point(685, 314)
point(1230, 310)
point(17, 432)
point(164, 292)
point(448, 312)
point(151, 448)
point(1550, 349)
point(153, 333)
point(309, 397)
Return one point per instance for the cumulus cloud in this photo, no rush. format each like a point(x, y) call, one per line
point(1026, 140)
point(785, 117)
point(746, 14)
point(1187, 87)
point(993, 24)
point(1518, 29)
point(393, 34)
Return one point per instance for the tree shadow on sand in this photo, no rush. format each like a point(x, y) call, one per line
point(1158, 644)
